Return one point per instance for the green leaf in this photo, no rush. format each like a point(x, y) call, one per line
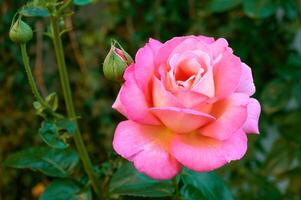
point(66, 125)
point(222, 5)
point(128, 181)
point(209, 186)
point(259, 8)
point(63, 189)
point(34, 12)
point(49, 134)
point(191, 193)
point(56, 133)
point(52, 162)
point(275, 96)
point(82, 2)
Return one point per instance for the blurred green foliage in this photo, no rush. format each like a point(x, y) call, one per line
point(266, 34)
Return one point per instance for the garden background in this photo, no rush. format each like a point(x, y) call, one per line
point(266, 34)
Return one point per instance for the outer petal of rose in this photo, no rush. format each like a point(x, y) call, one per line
point(231, 115)
point(246, 84)
point(135, 105)
point(218, 48)
point(227, 73)
point(201, 153)
point(181, 120)
point(162, 97)
point(205, 39)
point(117, 105)
point(146, 146)
point(155, 45)
point(144, 64)
point(251, 125)
point(166, 165)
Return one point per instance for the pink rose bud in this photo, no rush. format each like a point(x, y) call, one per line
point(189, 103)
point(116, 62)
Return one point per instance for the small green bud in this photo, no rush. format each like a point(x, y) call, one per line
point(115, 63)
point(20, 32)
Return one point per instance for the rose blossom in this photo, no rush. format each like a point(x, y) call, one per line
point(188, 103)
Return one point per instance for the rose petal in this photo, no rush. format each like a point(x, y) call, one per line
point(251, 125)
point(162, 97)
point(157, 163)
point(166, 49)
point(155, 45)
point(231, 115)
point(205, 85)
point(170, 81)
point(190, 61)
point(117, 105)
point(218, 48)
point(205, 39)
point(202, 154)
point(189, 99)
point(135, 106)
point(144, 64)
point(184, 67)
point(181, 120)
point(246, 84)
point(227, 73)
point(146, 146)
point(190, 44)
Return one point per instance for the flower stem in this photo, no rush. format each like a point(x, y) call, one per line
point(31, 81)
point(82, 151)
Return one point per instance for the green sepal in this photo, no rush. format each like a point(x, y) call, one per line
point(20, 32)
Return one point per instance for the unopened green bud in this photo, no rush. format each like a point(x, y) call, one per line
point(20, 32)
point(115, 63)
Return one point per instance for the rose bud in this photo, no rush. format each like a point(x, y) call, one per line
point(115, 63)
point(20, 32)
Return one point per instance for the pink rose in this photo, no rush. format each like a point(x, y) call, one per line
point(188, 103)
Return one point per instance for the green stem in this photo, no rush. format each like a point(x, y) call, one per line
point(177, 195)
point(31, 81)
point(82, 151)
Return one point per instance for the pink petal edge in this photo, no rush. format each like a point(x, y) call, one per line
point(146, 146)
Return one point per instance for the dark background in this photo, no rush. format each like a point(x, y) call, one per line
point(266, 34)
